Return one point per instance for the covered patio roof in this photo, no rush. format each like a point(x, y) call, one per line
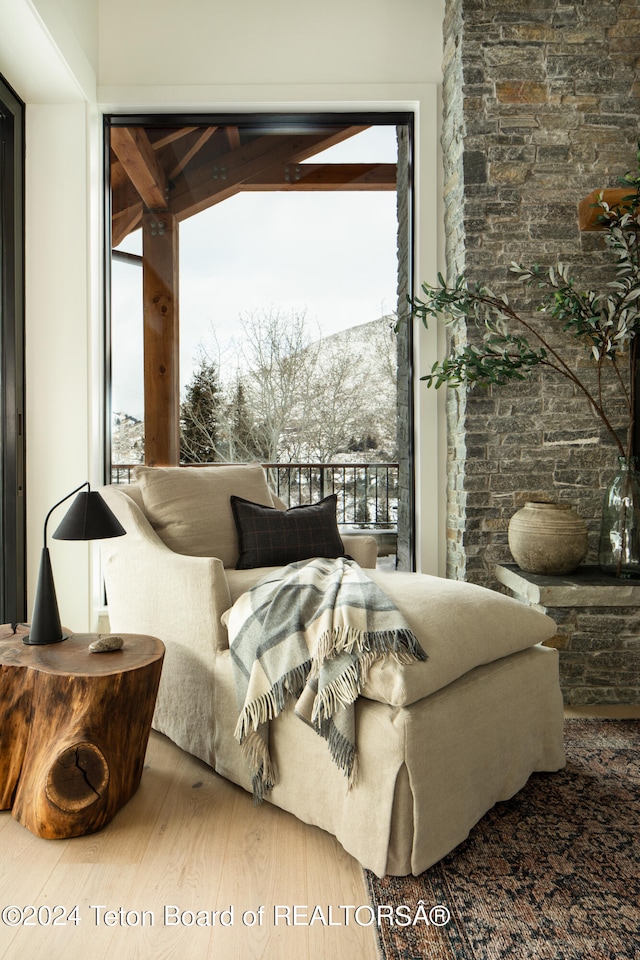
point(161, 175)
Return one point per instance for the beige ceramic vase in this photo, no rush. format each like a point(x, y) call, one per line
point(547, 538)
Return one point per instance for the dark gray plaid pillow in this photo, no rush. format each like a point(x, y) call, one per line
point(268, 537)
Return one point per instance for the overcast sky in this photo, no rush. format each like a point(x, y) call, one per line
point(331, 255)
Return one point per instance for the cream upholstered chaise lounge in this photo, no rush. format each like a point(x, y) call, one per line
point(439, 742)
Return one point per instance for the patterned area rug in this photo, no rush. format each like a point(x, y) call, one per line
point(552, 874)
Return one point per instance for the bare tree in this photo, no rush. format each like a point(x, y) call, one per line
point(334, 410)
point(354, 395)
point(280, 361)
point(293, 398)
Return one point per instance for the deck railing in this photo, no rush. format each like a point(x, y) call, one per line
point(367, 492)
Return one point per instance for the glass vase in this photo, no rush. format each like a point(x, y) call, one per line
point(619, 551)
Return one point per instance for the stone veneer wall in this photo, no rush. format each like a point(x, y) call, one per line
point(541, 106)
point(598, 620)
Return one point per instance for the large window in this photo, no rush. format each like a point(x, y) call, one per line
point(12, 499)
point(254, 295)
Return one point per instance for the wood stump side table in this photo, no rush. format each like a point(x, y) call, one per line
point(74, 728)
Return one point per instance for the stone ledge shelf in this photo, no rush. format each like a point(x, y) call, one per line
point(598, 638)
point(585, 587)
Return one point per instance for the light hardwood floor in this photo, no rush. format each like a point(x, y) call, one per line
point(188, 840)
point(193, 841)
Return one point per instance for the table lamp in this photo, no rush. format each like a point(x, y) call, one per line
point(88, 518)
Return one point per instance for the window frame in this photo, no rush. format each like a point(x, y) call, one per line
point(270, 121)
point(12, 375)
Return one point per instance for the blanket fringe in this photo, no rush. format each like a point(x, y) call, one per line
point(401, 644)
point(342, 691)
point(368, 647)
point(336, 666)
point(257, 756)
point(270, 704)
point(343, 752)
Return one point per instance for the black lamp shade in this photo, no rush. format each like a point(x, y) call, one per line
point(89, 518)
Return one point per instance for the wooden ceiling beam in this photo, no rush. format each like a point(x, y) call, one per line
point(125, 222)
point(191, 152)
point(233, 137)
point(123, 194)
point(228, 142)
point(142, 169)
point(170, 136)
point(126, 205)
point(326, 176)
point(216, 182)
point(335, 137)
point(133, 149)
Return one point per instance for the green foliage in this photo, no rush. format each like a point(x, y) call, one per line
point(605, 323)
point(243, 438)
point(200, 414)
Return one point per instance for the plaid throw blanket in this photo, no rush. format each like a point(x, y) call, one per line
point(310, 631)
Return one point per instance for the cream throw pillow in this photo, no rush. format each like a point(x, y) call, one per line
point(190, 507)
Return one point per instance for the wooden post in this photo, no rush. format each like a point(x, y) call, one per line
point(160, 252)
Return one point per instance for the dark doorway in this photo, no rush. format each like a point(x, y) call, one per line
point(12, 493)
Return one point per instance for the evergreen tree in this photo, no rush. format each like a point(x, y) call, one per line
point(243, 436)
point(200, 415)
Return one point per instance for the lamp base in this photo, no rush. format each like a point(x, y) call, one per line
point(42, 643)
point(45, 622)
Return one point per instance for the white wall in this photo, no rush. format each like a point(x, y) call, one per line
point(47, 60)
point(47, 55)
point(72, 59)
point(237, 43)
point(57, 339)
